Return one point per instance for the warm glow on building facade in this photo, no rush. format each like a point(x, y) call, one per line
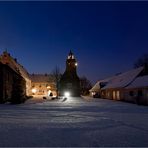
point(35, 84)
point(42, 84)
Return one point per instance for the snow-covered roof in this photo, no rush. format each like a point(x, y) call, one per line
point(118, 81)
point(123, 79)
point(139, 82)
point(41, 78)
point(6, 58)
point(97, 86)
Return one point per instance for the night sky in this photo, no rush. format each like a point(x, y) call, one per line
point(106, 37)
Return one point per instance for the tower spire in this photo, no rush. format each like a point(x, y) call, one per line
point(70, 55)
point(70, 80)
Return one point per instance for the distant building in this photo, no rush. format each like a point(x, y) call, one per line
point(130, 86)
point(69, 81)
point(42, 84)
point(12, 84)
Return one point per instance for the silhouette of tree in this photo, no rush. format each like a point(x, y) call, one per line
point(56, 75)
point(19, 90)
point(85, 85)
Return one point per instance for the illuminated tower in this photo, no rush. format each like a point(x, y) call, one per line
point(69, 81)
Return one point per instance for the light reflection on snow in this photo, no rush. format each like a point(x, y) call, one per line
point(73, 122)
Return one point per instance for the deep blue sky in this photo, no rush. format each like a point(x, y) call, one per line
point(106, 37)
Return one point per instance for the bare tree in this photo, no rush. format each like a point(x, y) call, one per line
point(85, 85)
point(56, 75)
point(142, 61)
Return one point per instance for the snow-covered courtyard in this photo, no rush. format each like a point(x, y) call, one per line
point(74, 122)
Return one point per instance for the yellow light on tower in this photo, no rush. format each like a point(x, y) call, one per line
point(76, 64)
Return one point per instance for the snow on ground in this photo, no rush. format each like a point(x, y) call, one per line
point(73, 122)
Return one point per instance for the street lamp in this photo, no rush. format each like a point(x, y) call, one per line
point(67, 94)
point(34, 90)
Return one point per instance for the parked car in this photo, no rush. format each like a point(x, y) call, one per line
point(96, 95)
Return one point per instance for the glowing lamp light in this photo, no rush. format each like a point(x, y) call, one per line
point(34, 90)
point(66, 94)
point(76, 64)
point(48, 87)
point(93, 93)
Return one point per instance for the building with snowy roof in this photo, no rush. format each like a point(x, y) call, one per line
point(43, 84)
point(96, 89)
point(137, 90)
point(12, 83)
point(129, 86)
point(7, 59)
point(35, 84)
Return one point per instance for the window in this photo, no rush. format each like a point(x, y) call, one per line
point(108, 94)
point(131, 93)
point(118, 94)
point(140, 93)
point(114, 95)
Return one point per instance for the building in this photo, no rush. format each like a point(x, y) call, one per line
point(138, 90)
point(12, 84)
point(69, 81)
point(6, 58)
point(35, 84)
point(42, 84)
point(97, 88)
point(131, 86)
